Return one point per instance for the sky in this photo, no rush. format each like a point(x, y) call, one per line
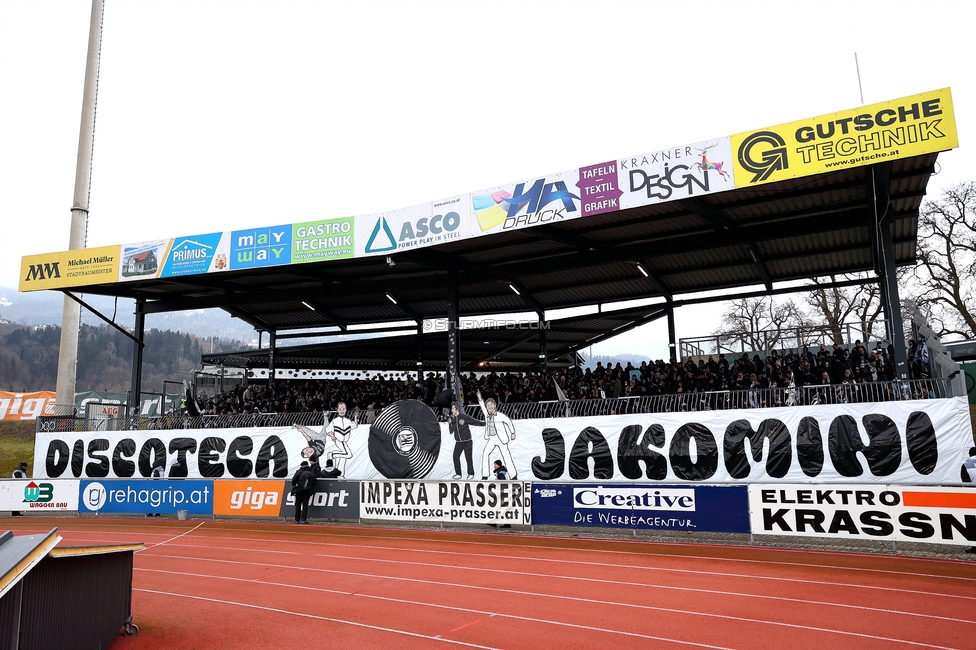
point(218, 115)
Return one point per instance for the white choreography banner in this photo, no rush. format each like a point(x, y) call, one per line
point(911, 442)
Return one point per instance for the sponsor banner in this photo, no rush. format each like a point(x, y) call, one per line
point(248, 498)
point(39, 495)
point(75, 268)
point(147, 496)
point(935, 515)
point(599, 188)
point(318, 241)
point(677, 173)
point(332, 500)
point(547, 200)
point(900, 128)
point(196, 255)
point(259, 247)
point(143, 260)
point(26, 406)
point(428, 224)
point(915, 442)
point(714, 509)
point(471, 502)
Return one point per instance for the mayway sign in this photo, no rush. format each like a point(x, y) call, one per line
point(891, 512)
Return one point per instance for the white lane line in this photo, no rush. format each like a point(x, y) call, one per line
point(166, 541)
point(519, 592)
point(403, 601)
point(712, 558)
point(313, 616)
point(695, 572)
point(615, 583)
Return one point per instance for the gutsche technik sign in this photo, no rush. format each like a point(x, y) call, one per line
point(920, 442)
point(900, 128)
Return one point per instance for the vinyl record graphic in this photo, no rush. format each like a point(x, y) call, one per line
point(404, 440)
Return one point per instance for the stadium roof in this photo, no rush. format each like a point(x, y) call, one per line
point(793, 229)
point(511, 346)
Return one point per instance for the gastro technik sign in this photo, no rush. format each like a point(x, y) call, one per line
point(911, 126)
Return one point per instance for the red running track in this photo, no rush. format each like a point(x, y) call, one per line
point(225, 584)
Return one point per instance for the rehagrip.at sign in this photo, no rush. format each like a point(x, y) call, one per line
point(154, 496)
point(890, 512)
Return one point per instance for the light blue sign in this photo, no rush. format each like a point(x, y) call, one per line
point(147, 496)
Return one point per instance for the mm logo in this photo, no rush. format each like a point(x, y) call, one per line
point(43, 272)
point(772, 156)
point(34, 493)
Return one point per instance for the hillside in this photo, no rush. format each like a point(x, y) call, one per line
point(29, 357)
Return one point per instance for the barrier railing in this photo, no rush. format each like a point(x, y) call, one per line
point(887, 391)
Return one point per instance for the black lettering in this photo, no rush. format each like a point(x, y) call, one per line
point(238, 466)
point(768, 496)
point(631, 453)
point(152, 454)
point(180, 446)
point(778, 518)
point(883, 452)
point(812, 518)
point(272, 451)
point(98, 467)
point(842, 521)
point(917, 525)
point(780, 448)
point(590, 444)
point(208, 457)
point(552, 467)
point(923, 447)
point(121, 465)
point(680, 453)
point(57, 459)
point(809, 446)
point(876, 524)
point(864, 497)
point(948, 523)
point(77, 458)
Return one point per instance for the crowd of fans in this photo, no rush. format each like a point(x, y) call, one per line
point(841, 374)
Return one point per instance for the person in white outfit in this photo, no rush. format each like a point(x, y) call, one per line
point(499, 431)
point(339, 430)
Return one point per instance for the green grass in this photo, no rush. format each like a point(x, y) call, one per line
point(16, 444)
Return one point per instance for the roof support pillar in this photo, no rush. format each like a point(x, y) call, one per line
point(672, 337)
point(420, 352)
point(453, 333)
point(272, 346)
point(135, 387)
point(890, 300)
point(543, 351)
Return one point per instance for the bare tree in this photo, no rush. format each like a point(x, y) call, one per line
point(758, 323)
point(839, 306)
point(947, 261)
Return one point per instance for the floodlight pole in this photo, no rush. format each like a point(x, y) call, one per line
point(71, 315)
point(453, 335)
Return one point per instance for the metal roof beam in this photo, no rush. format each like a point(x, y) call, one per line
point(706, 211)
point(759, 266)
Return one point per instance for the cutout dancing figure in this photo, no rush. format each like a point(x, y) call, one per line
point(459, 426)
point(339, 429)
point(499, 431)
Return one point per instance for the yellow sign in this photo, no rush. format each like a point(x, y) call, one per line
point(901, 128)
point(69, 268)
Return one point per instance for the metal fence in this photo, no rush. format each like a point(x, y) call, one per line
point(886, 391)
